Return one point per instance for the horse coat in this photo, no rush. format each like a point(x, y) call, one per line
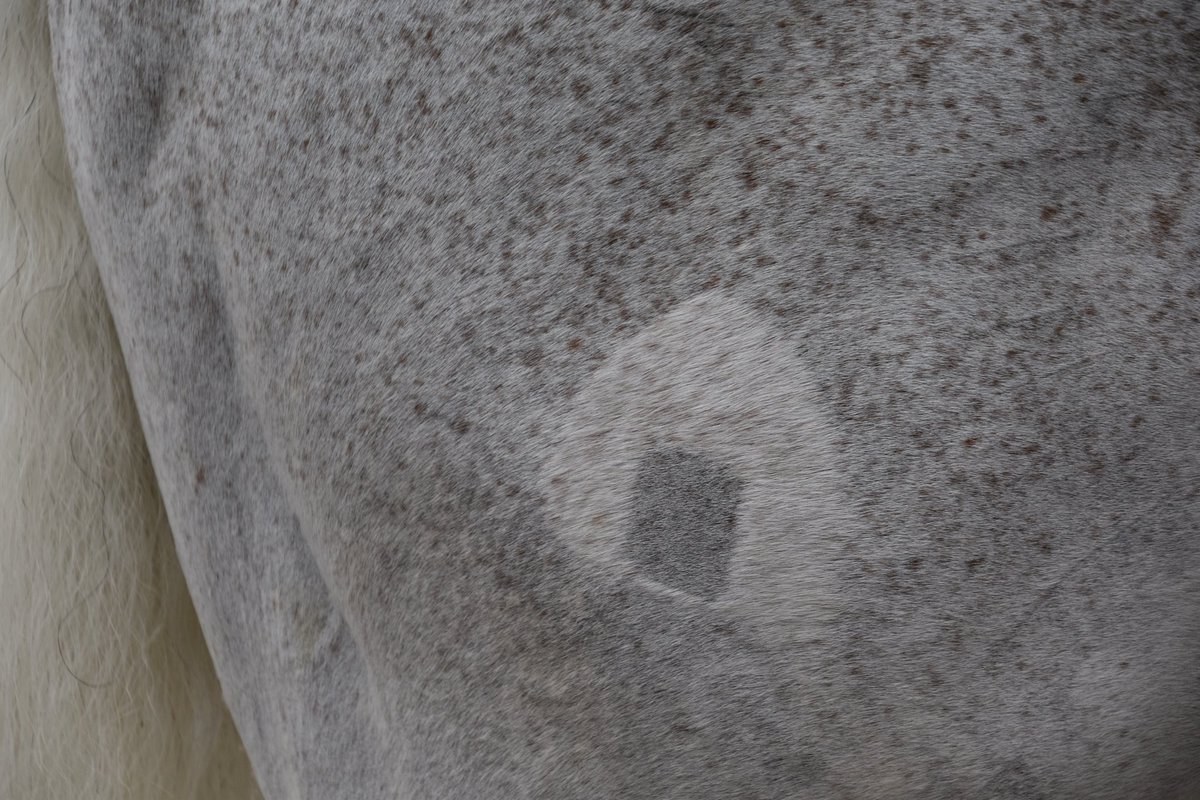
point(107, 690)
point(667, 399)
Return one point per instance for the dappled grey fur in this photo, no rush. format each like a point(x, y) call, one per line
point(107, 690)
point(376, 268)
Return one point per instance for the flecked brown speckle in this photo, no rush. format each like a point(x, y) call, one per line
point(378, 249)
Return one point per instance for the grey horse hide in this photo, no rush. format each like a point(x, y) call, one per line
point(594, 399)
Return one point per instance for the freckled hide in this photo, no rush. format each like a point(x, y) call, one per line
point(667, 400)
point(107, 690)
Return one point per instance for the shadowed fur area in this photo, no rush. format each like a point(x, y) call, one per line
point(107, 685)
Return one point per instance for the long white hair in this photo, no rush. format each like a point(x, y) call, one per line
point(106, 686)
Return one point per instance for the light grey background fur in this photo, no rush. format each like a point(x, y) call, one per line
point(368, 262)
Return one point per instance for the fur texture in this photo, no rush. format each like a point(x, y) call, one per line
point(108, 688)
point(376, 267)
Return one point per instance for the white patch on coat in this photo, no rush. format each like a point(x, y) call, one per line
point(711, 376)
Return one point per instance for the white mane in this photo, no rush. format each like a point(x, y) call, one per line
point(108, 690)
